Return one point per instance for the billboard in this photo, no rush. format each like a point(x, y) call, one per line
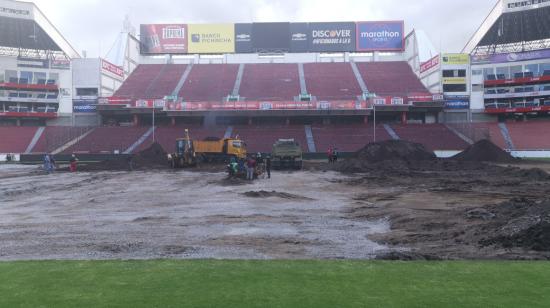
point(243, 38)
point(454, 80)
point(211, 38)
point(271, 36)
point(108, 67)
point(381, 36)
point(455, 58)
point(332, 36)
point(511, 57)
point(457, 102)
point(428, 65)
point(85, 106)
point(299, 37)
point(166, 38)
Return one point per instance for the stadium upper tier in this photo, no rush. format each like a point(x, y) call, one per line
point(390, 78)
point(531, 135)
point(269, 82)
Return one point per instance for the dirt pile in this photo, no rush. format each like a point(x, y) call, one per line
point(153, 157)
point(268, 194)
point(485, 151)
point(386, 155)
point(520, 222)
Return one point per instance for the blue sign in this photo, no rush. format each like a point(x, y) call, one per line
point(457, 104)
point(85, 106)
point(381, 36)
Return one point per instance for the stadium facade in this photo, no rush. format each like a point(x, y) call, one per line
point(318, 82)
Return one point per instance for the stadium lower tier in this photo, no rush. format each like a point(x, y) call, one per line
point(533, 135)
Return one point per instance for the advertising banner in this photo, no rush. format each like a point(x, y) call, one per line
point(299, 37)
point(243, 38)
point(332, 36)
point(457, 102)
point(271, 36)
point(108, 67)
point(511, 57)
point(32, 63)
point(166, 38)
point(261, 105)
point(428, 65)
point(455, 58)
point(85, 106)
point(211, 38)
point(60, 64)
point(454, 80)
point(381, 36)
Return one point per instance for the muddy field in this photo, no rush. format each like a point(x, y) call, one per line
point(157, 214)
point(399, 209)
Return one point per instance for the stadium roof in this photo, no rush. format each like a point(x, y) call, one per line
point(513, 26)
point(24, 33)
point(25, 27)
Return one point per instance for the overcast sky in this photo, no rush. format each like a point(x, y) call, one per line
point(93, 25)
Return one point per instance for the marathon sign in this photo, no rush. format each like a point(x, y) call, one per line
point(109, 67)
point(85, 106)
point(381, 36)
point(163, 39)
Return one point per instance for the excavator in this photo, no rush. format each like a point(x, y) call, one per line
point(191, 152)
point(185, 155)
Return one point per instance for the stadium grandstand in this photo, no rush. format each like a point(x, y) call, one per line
point(340, 84)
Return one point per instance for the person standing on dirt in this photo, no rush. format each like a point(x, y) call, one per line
point(47, 163)
point(130, 161)
point(329, 155)
point(268, 166)
point(232, 168)
point(52, 164)
point(250, 168)
point(335, 155)
point(73, 161)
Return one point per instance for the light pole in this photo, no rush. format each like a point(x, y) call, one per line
point(153, 121)
point(374, 111)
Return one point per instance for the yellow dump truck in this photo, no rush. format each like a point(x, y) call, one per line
point(190, 152)
point(214, 149)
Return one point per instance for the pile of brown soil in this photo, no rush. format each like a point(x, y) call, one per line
point(519, 222)
point(262, 194)
point(151, 158)
point(485, 151)
point(390, 155)
point(394, 150)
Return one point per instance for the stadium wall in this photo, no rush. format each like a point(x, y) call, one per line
point(64, 78)
point(273, 58)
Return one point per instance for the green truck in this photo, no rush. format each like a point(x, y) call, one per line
point(286, 154)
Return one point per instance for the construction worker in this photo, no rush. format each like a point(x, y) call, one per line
point(47, 163)
point(232, 168)
point(334, 155)
point(73, 161)
point(250, 168)
point(268, 166)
